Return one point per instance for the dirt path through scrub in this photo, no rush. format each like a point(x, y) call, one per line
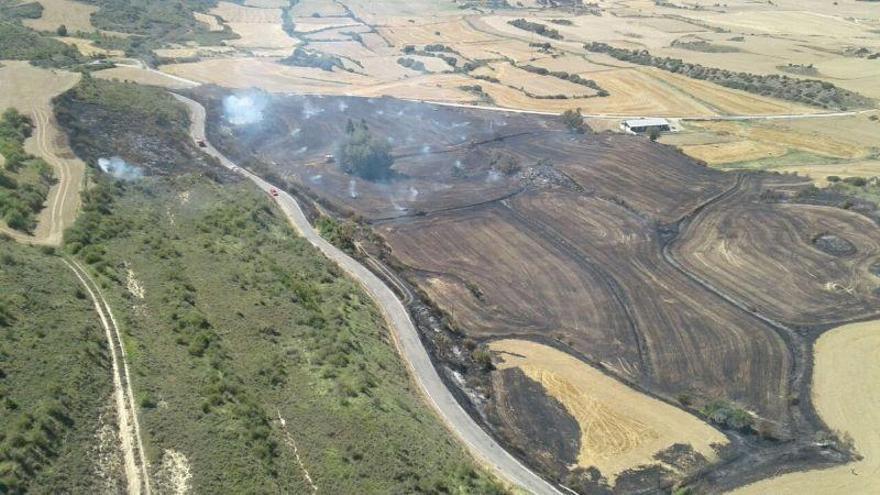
point(136, 468)
point(846, 392)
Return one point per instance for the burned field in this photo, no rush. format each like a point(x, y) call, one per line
point(695, 287)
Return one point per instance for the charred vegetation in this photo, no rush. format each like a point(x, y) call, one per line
point(653, 268)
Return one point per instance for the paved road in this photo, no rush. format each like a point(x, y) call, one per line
point(478, 442)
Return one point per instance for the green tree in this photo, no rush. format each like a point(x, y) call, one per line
point(62, 30)
point(364, 155)
point(574, 120)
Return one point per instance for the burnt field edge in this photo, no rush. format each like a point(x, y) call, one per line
point(786, 456)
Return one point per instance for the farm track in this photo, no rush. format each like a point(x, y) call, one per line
point(135, 463)
point(482, 446)
point(63, 200)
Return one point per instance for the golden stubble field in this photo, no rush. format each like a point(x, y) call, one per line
point(846, 392)
point(385, 28)
point(620, 428)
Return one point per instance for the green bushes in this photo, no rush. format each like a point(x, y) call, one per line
point(25, 183)
point(727, 415)
point(411, 63)
point(574, 121)
point(20, 43)
point(307, 58)
point(536, 28)
point(340, 234)
point(53, 376)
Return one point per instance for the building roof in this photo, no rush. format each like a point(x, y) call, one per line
point(645, 122)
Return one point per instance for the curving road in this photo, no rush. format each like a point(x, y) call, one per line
point(479, 443)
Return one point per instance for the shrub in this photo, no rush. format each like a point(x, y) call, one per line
point(574, 121)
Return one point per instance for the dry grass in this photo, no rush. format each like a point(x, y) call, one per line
point(141, 76)
point(846, 393)
point(323, 8)
point(193, 51)
point(735, 151)
point(620, 428)
point(537, 84)
point(728, 101)
point(75, 15)
point(258, 28)
point(846, 138)
point(820, 173)
point(88, 48)
point(209, 20)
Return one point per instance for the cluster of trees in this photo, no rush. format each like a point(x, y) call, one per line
point(364, 155)
point(434, 50)
point(21, 200)
point(411, 63)
point(536, 27)
point(809, 91)
point(574, 121)
point(574, 78)
point(726, 415)
point(307, 58)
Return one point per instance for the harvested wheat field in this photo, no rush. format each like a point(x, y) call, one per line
point(257, 27)
point(846, 391)
point(30, 90)
point(620, 428)
point(75, 15)
point(143, 76)
point(735, 151)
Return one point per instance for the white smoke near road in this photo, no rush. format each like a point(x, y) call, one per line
point(413, 193)
point(343, 106)
point(352, 188)
point(118, 168)
point(244, 109)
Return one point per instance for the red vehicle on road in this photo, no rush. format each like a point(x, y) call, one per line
point(202, 144)
point(273, 192)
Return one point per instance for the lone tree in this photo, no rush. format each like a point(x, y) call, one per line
point(574, 120)
point(364, 155)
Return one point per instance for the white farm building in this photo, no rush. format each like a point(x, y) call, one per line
point(641, 126)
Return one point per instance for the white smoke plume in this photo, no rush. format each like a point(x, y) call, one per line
point(352, 188)
point(118, 168)
point(244, 109)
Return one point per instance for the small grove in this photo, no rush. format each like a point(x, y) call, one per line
point(25, 179)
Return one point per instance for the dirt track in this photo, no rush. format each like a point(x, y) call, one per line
point(846, 391)
point(30, 90)
point(483, 447)
point(136, 466)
